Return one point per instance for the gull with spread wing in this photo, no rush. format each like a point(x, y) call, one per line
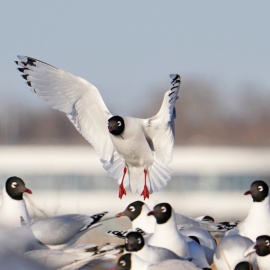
point(136, 152)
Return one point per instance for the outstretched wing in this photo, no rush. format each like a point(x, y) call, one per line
point(79, 99)
point(160, 128)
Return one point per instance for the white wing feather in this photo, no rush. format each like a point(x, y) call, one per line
point(79, 99)
point(160, 128)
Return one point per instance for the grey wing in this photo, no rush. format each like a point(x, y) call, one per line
point(173, 264)
point(78, 98)
point(62, 229)
point(56, 258)
point(160, 128)
point(164, 254)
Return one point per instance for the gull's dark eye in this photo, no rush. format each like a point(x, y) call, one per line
point(132, 208)
point(14, 184)
point(119, 123)
point(163, 209)
point(139, 241)
point(267, 243)
point(260, 188)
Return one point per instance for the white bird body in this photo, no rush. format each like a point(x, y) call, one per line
point(134, 156)
point(257, 221)
point(170, 239)
point(11, 211)
point(263, 263)
point(143, 147)
point(166, 235)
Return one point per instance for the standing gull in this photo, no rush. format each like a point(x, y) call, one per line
point(135, 152)
point(257, 221)
point(13, 209)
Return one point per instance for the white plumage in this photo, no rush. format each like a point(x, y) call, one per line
point(144, 148)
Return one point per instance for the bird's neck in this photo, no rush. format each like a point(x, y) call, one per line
point(258, 208)
point(138, 263)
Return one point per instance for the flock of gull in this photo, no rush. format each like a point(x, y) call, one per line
point(136, 153)
point(158, 238)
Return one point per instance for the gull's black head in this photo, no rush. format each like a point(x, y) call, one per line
point(243, 266)
point(15, 187)
point(258, 190)
point(262, 246)
point(162, 212)
point(134, 241)
point(116, 125)
point(132, 211)
point(124, 262)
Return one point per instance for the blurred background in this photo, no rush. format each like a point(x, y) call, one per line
point(128, 50)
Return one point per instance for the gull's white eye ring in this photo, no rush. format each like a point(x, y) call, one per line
point(132, 208)
point(139, 241)
point(267, 243)
point(260, 188)
point(14, 184)
point(119, 123)
point(163, 209)
point(122, 263)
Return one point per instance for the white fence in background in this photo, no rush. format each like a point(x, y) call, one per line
point(193, 167)
point(70, 178)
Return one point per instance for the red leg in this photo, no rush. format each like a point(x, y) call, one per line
point(145, 192)
point(122, 190)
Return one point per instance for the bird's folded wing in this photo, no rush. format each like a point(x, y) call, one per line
point(159, 129)
point(79, 99)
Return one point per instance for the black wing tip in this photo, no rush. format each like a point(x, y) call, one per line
point(98, 216)
point(175, 78)
point(27, 60)
point(119, 234)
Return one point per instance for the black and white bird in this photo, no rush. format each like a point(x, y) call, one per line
point(53, 232)
point(13, 209)
point(130, 261)
point(134, 242)
point(135, 152)
point(167, 235)
point(262, 249)
point(257, 221)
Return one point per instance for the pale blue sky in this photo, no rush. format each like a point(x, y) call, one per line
point(127, 48)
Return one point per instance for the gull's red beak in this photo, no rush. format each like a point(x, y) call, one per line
point(28, 190)
point(247, 192)
point(122, 214)
point(151, 213)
